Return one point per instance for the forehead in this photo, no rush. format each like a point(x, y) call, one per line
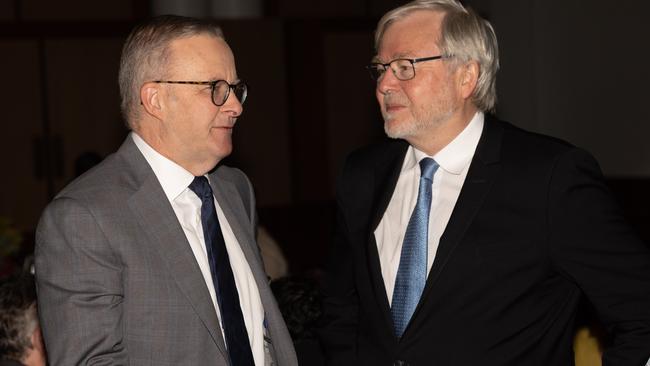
point(415, 35)
point(203, 56)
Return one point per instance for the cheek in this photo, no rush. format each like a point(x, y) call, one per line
point(204, 121)
point(422, 97)
point(413, 90)
point(215, 115)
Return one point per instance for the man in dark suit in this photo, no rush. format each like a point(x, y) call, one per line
point(467, 241)
point(150, 258)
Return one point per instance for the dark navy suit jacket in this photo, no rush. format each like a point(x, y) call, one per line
point(534, 229)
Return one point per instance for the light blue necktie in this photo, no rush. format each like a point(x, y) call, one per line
point(412, 271)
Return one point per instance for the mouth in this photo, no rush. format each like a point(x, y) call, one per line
point(392, 108)
point(226, 126)
point(227, 130)
point(393, 103)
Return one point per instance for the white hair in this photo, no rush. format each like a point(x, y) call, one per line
point(465, 36)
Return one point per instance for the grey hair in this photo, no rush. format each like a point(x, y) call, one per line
point(146, 52)
point(465, 36)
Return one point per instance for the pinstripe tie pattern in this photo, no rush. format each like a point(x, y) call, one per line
point(412, 271)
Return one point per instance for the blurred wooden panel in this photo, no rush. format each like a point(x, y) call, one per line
point(22, 195)
point(516, 78)
point(7, 10)
point(593, 80)
point(306, 80)
point(321, 9)
point(261, 137)
point(84, 98)
point(77, 9)
point(567, 75)
point(353, 117)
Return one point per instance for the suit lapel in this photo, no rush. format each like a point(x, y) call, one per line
point(386, 174)
point(228, 198)
point(159, 222)
point(481, 176)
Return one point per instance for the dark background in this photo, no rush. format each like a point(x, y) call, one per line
point(575, 69)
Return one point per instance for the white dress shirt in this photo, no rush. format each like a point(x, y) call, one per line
point(454, 160)
point(175, 182)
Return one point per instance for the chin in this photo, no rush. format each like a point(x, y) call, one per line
point(222, 154)
point(221, 146)
point(397, 130)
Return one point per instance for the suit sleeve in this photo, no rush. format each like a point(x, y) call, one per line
point(340, 302)
point(593, 246)
point(79, 283)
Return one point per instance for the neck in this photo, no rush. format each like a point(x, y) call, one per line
point(165, 148)
point(441, 134)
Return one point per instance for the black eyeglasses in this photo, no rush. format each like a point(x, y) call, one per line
point(220, 89)
point(403, 68)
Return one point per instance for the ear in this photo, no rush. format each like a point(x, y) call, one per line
point(151, 99)
point(468, 77)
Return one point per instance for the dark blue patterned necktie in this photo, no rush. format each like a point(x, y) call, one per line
point(232, 319)
point(412, 271)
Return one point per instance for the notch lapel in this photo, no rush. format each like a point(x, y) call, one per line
point(386, 174)
point(228, 198)
point(481, 176)
point(158, 221)
point(231, 203)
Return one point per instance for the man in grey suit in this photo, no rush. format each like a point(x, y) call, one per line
point(150, 258)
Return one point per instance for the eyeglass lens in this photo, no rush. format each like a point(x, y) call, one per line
point(222, 91)
point(402, 68)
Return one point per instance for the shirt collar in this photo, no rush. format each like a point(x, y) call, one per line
point(173, 178)
point(457, 155)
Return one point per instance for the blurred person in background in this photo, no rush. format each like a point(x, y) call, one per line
point(20, 334)
point(299, 300)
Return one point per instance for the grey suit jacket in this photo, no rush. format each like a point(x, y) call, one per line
point(117, 281)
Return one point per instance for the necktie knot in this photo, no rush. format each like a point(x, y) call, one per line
point(201, 187)
point(428, 168)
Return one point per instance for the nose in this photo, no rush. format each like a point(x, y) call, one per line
point(388, 82)
point(232, 106)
